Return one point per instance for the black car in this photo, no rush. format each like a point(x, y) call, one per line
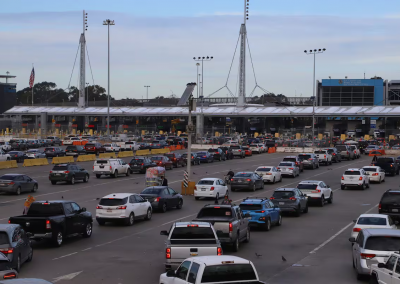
point(246, 180)
point(141, 164)
point(162, 198)
point(290, 200)
point(398, 160)
point(17, 156)
point(205, 157)
point(43, 143)
point(388, 164)
point(75, 150)
point(144, 146)
point(219, 155)
point(390, 204)
point(69, 173)
point(195, 159)
point(228, 152)
point(15, 245)
point(18, 144)
point(336, 156)
point(158, 144)
point(55, 220)
point(54, 152)
point(54, 140)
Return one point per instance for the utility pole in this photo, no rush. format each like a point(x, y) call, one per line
point(147, 92)
point(108, 23)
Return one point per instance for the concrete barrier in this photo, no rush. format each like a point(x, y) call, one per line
point(35, 162)
point(393, 152)
point(85, 158)
point(61, 160)
point(143, 152)
point(295, 149)
point(107, 155)
point(125, 154)
point(8, 164)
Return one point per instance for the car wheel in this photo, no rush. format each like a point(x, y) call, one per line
point(130, 220)
point(128, 172)
point(236, 245)
point(254, 187)
point(164, 208)
point(180, 204)
point(279, 220)
point(247, 239)
point(149, 214)
point(86, 179)
point(18, 267)
point(220, 159)
point(342, 187)
point(58, 239)
point(18, 191)
point(302, 170)
point(322, 201)
point(373, 279)
point(98, 176)
point(363, 186)
point(267, 225)
point(298, 211)
point(330, 200)
point(340, 160)
point(196, 198)
point(101, 222)
point(305, 210)
point(217, 196)
point(273, 181)
point(30, 256)
point(262, 185)
point(115, 174)
point(88, 230)
point(72, 180)
point(367, 185)
point(34, 189)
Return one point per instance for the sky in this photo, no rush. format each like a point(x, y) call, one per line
point(153, 43)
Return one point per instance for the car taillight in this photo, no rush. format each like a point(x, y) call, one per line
point(16, 156)
point(310, 159)
point(272, 198)
point(278, 168)
point(292, 198)
point(360, 178)
point(10, 275)
point(168, 253)
point(248, 179)
point(367, 255)
point(357, 230)
point(11, 183)
point(240, 150)
point(231, 179)
point(66, 172)
point(157, 199)
point(290, 168)
point(334, 154)
point(7, 250)
point(192, 225)
point(212, 188)
point(324, 156)
point(348, 152)
point(110, 168)
point(99, 207)
point(219, 251)
point(316, 191)
point(342, 177)
point(375, 174)
point(204, 157)
point(262, 211)
point(297, 163)
point(230, 227)
point(48, 225)
point(121, 207)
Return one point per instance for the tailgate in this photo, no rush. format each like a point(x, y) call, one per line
point(189, 251)
point(36, 225)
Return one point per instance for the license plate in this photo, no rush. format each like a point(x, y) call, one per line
point(135, 165)
point(395, 210)
point(281, 203)
point(203, 189)
point(2, 184)
point(351, 177)
point(109, 210)
point(57, 174)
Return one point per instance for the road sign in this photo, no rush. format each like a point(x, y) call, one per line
point(185, 179)
point(373, 121)
point(363, 121)
point(373, 126)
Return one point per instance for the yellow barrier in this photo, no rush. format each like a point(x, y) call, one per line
point(107, 155)
point(61, 160)
point(8, 164)
point(143, 152)
point(85, 158)
point(35, 162)
point(165, 150)
point(125, 154)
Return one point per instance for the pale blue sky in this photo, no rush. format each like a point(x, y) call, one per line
point(153, 42)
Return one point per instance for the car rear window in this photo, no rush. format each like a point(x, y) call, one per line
point(250, 206)
point(370, 169)
point(391, 197)
point(113, 201)
point(319, 152)
point(129, 143)
point(89, 145)
point(60, 168)
point(263, 170)
point(371, 221)
point(307, 186)
point(383, 243)
point(152, 190)
point(285, 164)
point(181, 233)
point(156, 158)
point(304, 157)
point(228, 273)
point(7, 177)
point(4, 240)
point(341, 148)
point(137, 160)
point(235, 147)
point(213, 150)
point(206, 182)
point(371, 147)
point(283, 194)
point(352, 173)
point(385, 160)
point(215, 212)
point(289, 159)
point(71, 148)
point(45, 209)
point(243, 175)
point(102, 162)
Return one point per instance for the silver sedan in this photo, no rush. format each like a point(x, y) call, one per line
point(289, 169)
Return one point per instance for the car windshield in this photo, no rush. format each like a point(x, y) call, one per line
point(372, 221)
point(215, 212)
point(60, 168)
point(156, 142)
point(383, 243)
point(156, 158)
point(330, 151)
point(89, 145)
point(289, 159)
point(391, 197)
point(235, 147)
point(319, 152)
point(285, 164)
point(352, 173)
point(107, 145)
point(370, 169)
point(71, 148)
point(137, 160)
point(228, 273)
point(32, 151)
point(304, 157)
point(4, 240)
point(152, 190)
point(45, 209)
point(263, 170)
point(307, 186)
point(385, 160)
point(371, 147)
point(113, 201)
point(8, 177)
point(181, 233)
point(283, 194)
point(206, 182)
point(243, 175)
point(250, 207)
point(341, 148)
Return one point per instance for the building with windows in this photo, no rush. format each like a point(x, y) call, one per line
point(8, 96)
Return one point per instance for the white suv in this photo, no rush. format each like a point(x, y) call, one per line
point(112, 147)
point(355, 178)
point(110, 167)
point(127, 207)
point(316, 191)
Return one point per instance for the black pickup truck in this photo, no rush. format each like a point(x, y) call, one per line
point(388, 164)
point(55, 220)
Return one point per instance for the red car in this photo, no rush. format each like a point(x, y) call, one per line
point(176, 159)
point(162, 161)
point(94, 148)
point(247, 151)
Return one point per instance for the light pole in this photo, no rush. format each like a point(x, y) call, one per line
point(108, 23)
point(197, 75)
point(147, 92)
point(87, 94)
point(314, 52)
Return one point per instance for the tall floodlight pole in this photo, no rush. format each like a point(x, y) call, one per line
point(314, 52)
point(147, 92)
point(242, 64)
point(197, 75)
point(87, 94)
point(82, 69)
point(108, 23)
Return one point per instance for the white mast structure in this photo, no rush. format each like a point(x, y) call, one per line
point(241, 101)
point(82, 69)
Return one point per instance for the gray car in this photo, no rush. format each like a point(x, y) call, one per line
point(309, 160)
point(238, 151)
point(247, 180)
point(17, 183)
point(290, 200)
point(35, 154)
point(346, 152)
point(6, 269)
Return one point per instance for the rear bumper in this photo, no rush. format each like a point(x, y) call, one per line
point(71, 154)
point(102, 173)
point(8, 189)
point(242, 186)
point(42, 236)
point(289, 208)
point(199, 193)
point(61, 178)
point(110, 219)
point(266, 178)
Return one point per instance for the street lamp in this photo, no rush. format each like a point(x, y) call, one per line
point(202, 59)
point(314, 52)
point(147, 92)
point(87, 94)
point(197, 75)
point(108, 23)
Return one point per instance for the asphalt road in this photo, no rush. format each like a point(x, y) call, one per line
point(315, 245)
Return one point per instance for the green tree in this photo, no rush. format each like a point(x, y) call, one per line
point(42, 92)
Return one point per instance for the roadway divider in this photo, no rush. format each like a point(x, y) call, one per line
point(8, 164)
point(143, 152)
point(61, 160)
point(85, 158)
point(125, 154)
point(165, 150)
point(35, 162)
point(295, 150)
point(107, 155)
point(158, 151)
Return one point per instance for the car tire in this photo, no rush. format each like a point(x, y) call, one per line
point(273, 181)
point(149, 214)
point(380, 180)
point(330, 200)
point(235, 245)
point(130, 220)
point(298, 212)
point(30, 256)
point(247, 239)
point(322, 201)
point(86, 179)
point(367, 185)
point(254, 188)
point(305, 210)
point(363, 186)
point(98, 176)
point(340, 160)
point(196, 198)
point(18, 267)
point(101, 222)
point(88, 230)
point(128, 172)
point(58, 238)
point(53, 182)
point(302, 170)
point(279, 223)
point(115, 174)
point(373, 279)
point(180, 204)
point(18, 191)
point(342, 187)
point(72, 180)
point(164, 208)
point(35, 187)
point(267, 225)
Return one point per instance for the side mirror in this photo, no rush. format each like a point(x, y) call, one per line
point(328, 186)
point(171, 273)
point(164, 233)
point(29, 234)
point(352, 240)
point(381, 265)
point(354, 221)
point(83, 209)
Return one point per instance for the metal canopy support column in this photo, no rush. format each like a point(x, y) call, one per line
point(82, 73)
point(242, 70)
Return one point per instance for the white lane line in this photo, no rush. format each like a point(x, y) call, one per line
point(65, 255)
point(86, 249)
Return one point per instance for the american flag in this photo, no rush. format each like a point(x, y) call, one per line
point(32, 78)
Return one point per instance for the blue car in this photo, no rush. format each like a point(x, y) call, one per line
point(263, 212)
point(205, 157)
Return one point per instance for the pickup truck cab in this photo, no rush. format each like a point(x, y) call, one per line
point(231, 225)
point(388, 272)
point(187, 239)
point(130, 146)
point(55, 220)
point(388, 164)
point(324, 157)
point(4, 156)
point(213, 269)
point(111, 167)
point(345, 152)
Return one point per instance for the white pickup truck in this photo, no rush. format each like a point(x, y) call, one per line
point(386, 273)
point(4, 156)
point(5, 146)
point(110, 167)
point(324, 157)
point(130, 146)
point(213, 269)
point(188, 239)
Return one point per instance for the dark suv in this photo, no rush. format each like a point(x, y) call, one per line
point(219, 155)
point(69, 173)
point(390, 204)
point(195, 159)
point(309, 160)
point(228, 152)
point(336, 156)
point(290, 200)
point(75, 150)
point(54, 152)
point(141, 164)
point(94, 148)
point(176, 159)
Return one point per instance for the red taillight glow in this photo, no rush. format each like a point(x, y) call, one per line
point(121, 207)
point(212, 188)
point(367, 255)
point(66, 172)
point(7, 250)
point(168, 253)
point(360, 178)
point(99, 207)
point(262, 211)
point(324, 156)
point(292, 198)
point(10, 275)
point(240, 150)
point(11, 183)
point(48, 225)
point(192, 225)
point(342, 177)
point(248, 179)
point(375, 174)
point(290, 168)
point(157, 199)
point(357, 230)
point(272, 198)
point(230, 227)
point(219, 251)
